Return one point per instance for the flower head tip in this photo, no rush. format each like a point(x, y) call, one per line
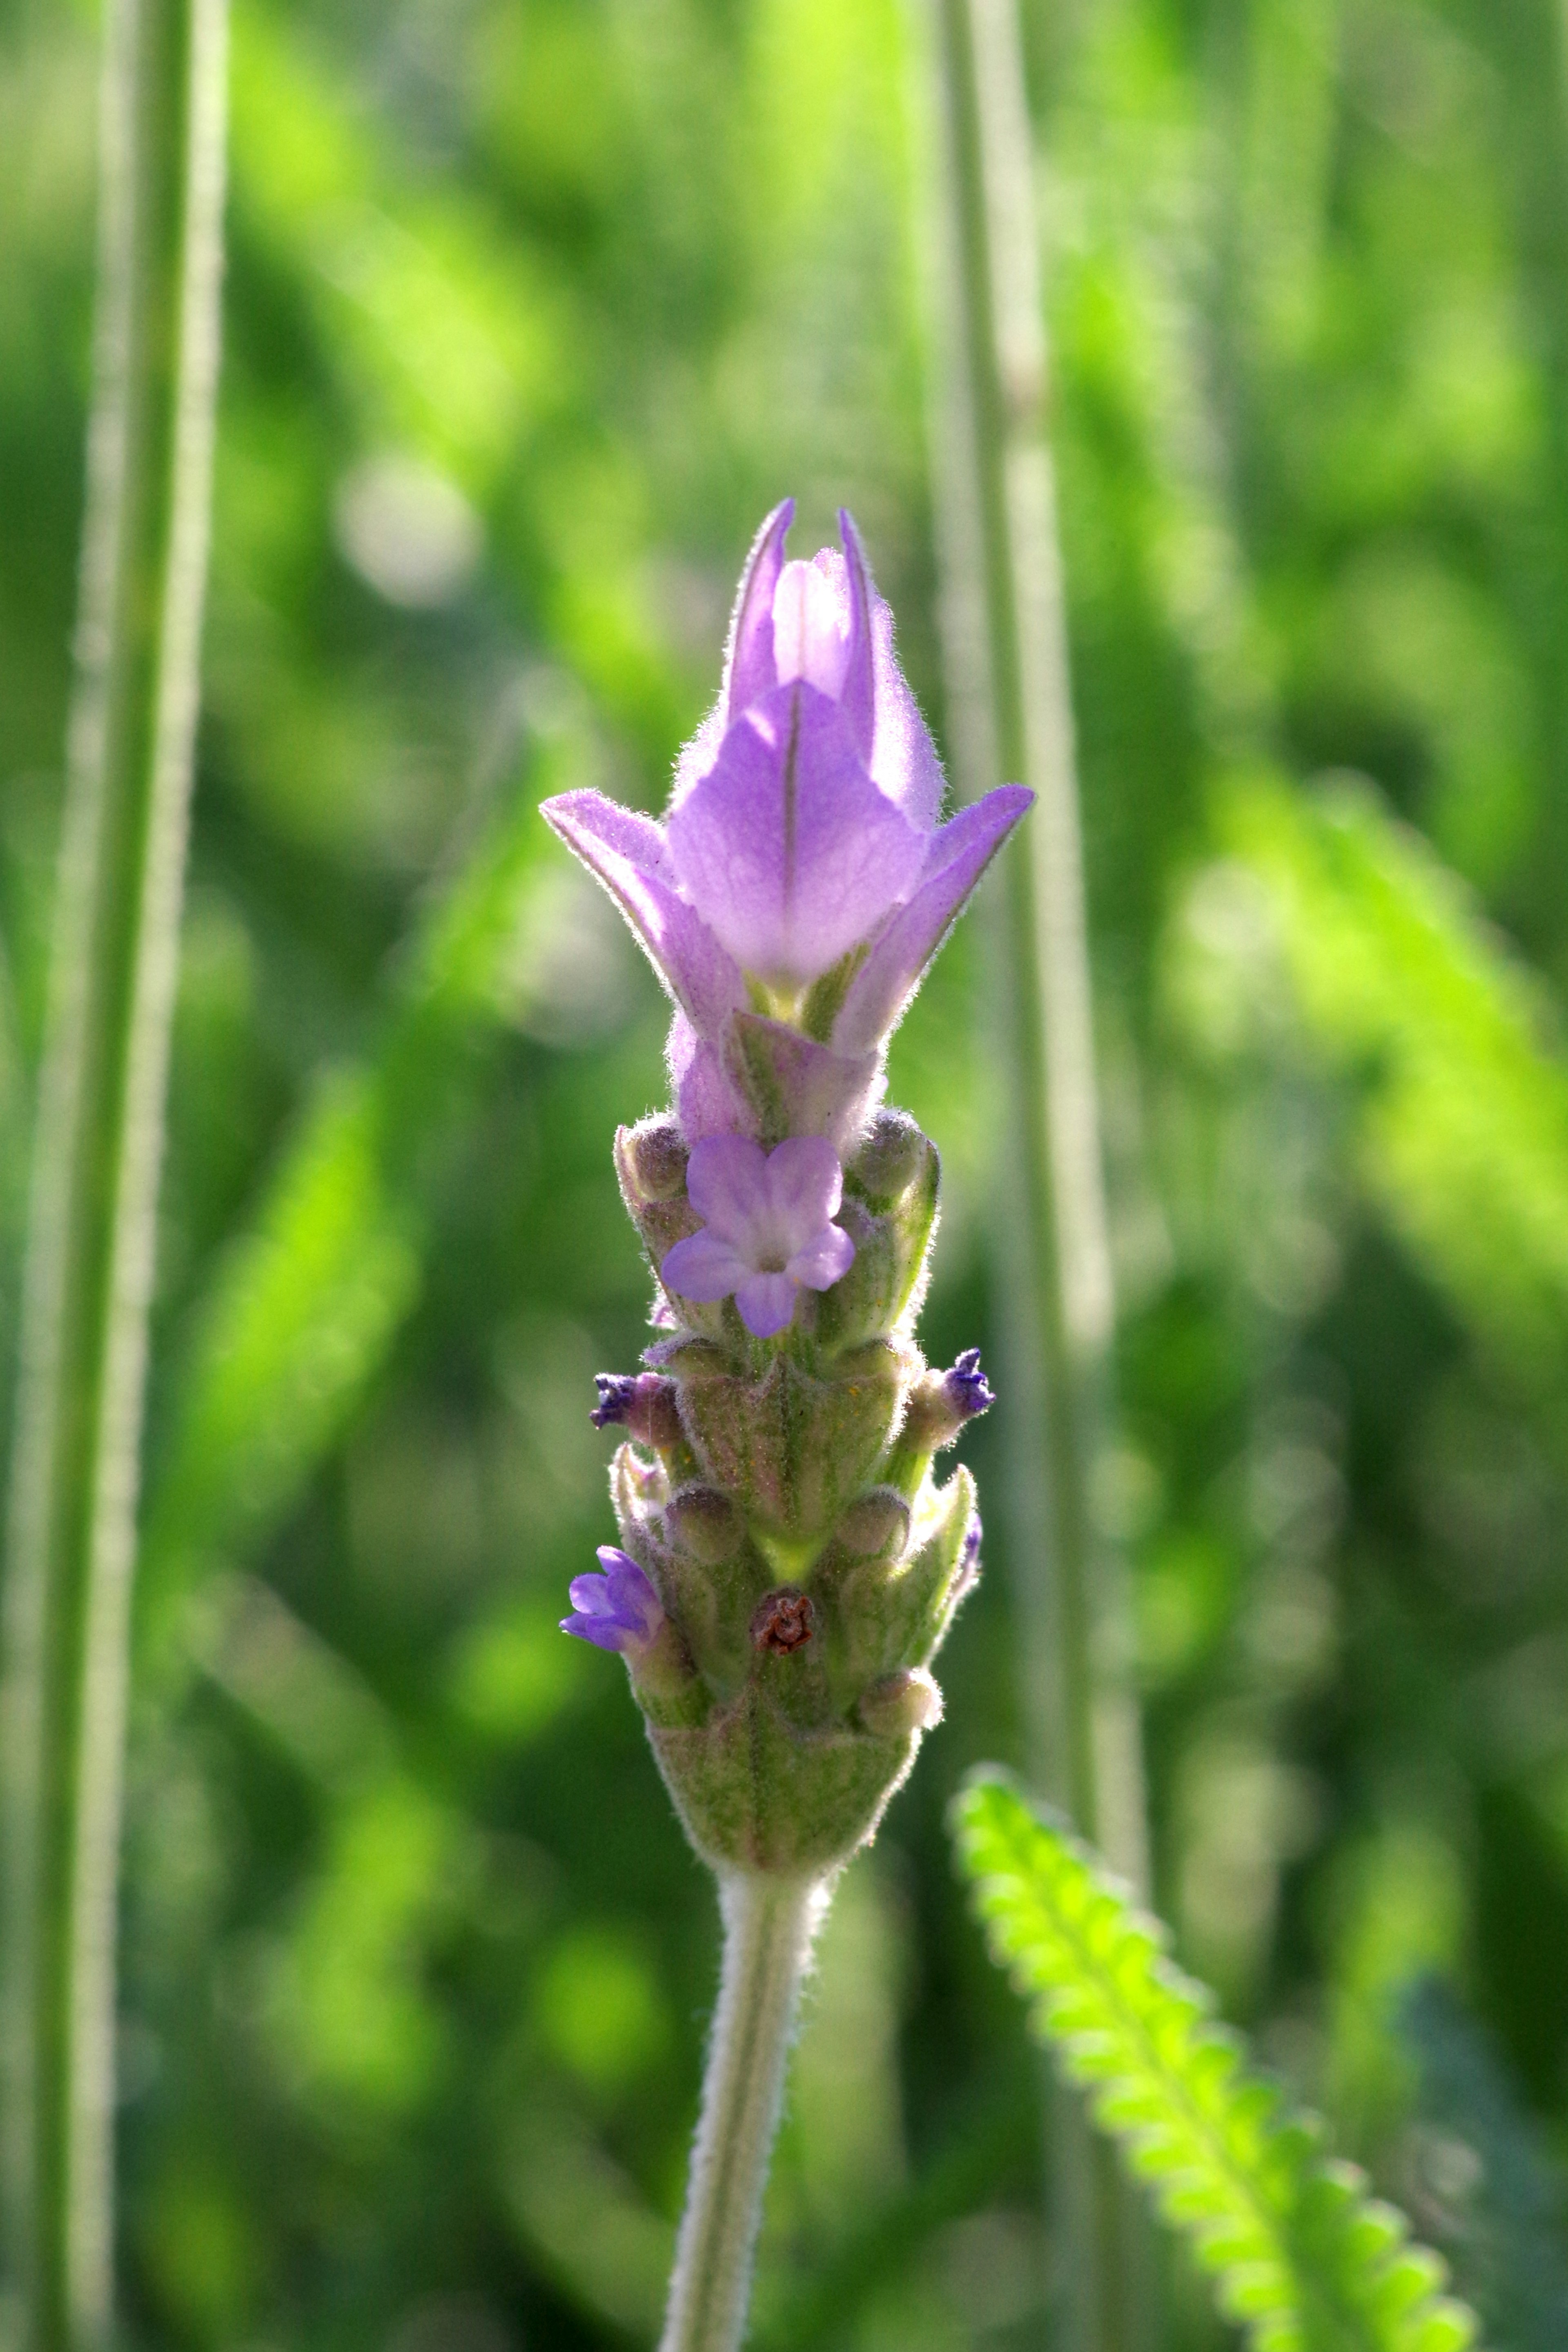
point(804, 827)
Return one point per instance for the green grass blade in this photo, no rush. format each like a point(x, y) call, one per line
point(1301, 2257)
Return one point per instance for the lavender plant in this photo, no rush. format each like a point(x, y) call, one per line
point(789, 1562)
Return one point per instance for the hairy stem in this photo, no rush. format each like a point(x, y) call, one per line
point(1006, 644)
point(98, 1142)
point(768, 1930)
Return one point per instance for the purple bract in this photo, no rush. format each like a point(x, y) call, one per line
point(617, 1611)
point(803, 837)
point(767, 1228)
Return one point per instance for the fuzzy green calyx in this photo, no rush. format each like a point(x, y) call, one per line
point(784, 1511)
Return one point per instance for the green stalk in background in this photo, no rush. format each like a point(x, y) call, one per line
point(1005, 647)
point(99, 1128)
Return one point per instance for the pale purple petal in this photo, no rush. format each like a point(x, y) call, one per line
point(812, 623)
point(704, 1267)
point(633, 1596)
point(617, 1611)
point(706, 1102)
point(958, 856)
point(750, 663)
point(804, 1186)
point(605, 1632)
point(628, 853)
point(794, 1081)
point(903, 761)
point(786, 847)
point(727, 1184)
point(695, 757)
point(766, 1303)
point(824, 1259)
point(858, 695)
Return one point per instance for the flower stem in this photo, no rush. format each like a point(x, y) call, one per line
point(1005, 638)
point(97, 1145)
point(768, 1930)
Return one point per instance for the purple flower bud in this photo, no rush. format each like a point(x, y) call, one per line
point(616, 1391)
point(942, 1403)
point(804, 826)
point(617, 1611)
point(968, 1575)
point(768, 1229)
point(642, 1401)
point(965, 1386)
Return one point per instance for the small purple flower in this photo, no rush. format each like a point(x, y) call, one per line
point(966, 1387)
point(617, 1611)
point(768, 1227)
point(803, 828)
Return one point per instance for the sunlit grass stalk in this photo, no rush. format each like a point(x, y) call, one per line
point(97, 1147)
point(768, 1928)
point(1006, 645)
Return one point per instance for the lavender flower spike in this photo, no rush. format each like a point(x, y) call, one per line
point(617, 1611)
point(802, 844)
point(767, 1229)
point(790, 901)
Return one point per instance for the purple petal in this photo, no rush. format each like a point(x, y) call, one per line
point(749, 665)
point(591, 1594)
point(812, 623)
point(824, 1261)
point(766, 1303)
point(805, 1185)
point(858, 695)
point(727, 1184)
point(903, 760)
point(636, 1602)
point(706, 1102)
point(704, 1267)
point(605, 1632)
point(616, 1611)
point(958, 856)
point(797, 1086)
point(628, 854)
point(786, 848)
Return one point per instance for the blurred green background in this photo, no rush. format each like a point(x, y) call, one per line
point(534, 308)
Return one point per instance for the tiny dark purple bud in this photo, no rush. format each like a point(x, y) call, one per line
point(616, 1391)
point(641, 1401)
point(966, 1386)
point(942, 1403)
point(968, 1575)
